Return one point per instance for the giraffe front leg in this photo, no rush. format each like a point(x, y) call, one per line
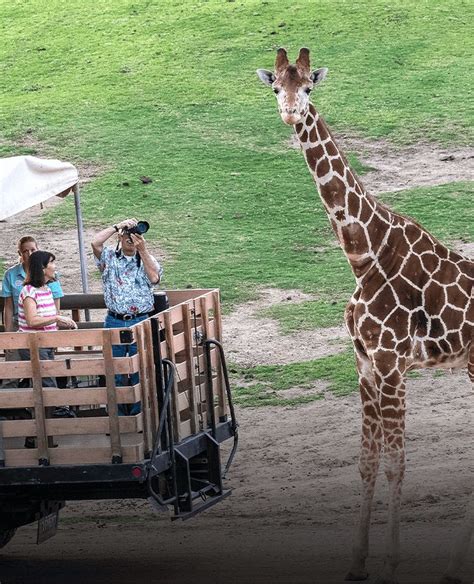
point(462, 539)
point(371, 445)
point(391, 383)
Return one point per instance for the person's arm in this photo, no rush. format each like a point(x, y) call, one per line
point(101, 237)
point(8, 314)
point(149, 264)
point(57, 303)
point(34, 320)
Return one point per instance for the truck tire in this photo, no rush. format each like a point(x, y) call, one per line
point(5, 536)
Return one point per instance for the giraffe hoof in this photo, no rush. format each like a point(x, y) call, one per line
point(450, 580)
point(356, 576)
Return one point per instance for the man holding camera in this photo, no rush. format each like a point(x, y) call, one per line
point(129, 273)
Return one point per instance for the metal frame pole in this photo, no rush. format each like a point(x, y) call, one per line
point(80, 236)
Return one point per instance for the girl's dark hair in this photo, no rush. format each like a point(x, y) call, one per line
point(37, 262)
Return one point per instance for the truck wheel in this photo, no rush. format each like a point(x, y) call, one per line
point(5, 536)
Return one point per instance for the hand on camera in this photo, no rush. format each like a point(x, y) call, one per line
point(127, 223)
point(138, 242)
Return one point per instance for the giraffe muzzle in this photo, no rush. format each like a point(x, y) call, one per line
point(290, 117)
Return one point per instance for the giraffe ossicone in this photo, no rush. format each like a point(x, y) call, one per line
point(413, 305)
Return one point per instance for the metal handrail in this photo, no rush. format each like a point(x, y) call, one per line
point(207, 343)
point(165, 418)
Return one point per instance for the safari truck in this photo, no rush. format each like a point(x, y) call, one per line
point(169, 453)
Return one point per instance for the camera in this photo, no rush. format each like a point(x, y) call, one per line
point(139, 229)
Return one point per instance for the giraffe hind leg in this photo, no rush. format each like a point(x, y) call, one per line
point(462, 540)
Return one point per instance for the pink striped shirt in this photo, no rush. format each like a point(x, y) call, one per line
point(44, 307)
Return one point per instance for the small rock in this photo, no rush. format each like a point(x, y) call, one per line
point(125, 184)
point(146, 180)
point(446, 157)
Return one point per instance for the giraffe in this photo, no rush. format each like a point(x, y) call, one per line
point(412, 307)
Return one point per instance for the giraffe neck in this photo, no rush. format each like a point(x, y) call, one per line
point(360, 223)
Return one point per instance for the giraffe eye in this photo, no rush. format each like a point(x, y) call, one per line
point(307, 90)
point(276, 90)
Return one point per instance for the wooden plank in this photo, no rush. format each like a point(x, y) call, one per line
point(71, 426)
point(114, 428)
point(215, 361)
point(24, 398)
point(210, 328)
point(67, 456)
point(175, 315)
point(185, 428)
point(160, 318)
point(145, 398)
point(171, 357)
point(185, 403)
point(201, 359)
point(39, 422)
point(179, 340)
point(164, 350)
point(179, 296)
point(188, 338)
point(154, 410)
point(76, 366)
point(65, 338)
point(182, 370)
point(179, 343)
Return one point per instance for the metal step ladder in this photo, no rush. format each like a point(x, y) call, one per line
point(193, 480)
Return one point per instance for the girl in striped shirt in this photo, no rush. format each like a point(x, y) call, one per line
point(36, 307)
point(37, 312)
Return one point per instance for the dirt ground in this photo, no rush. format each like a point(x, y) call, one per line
point(295, 482)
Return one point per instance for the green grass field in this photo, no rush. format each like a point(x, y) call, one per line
point(168, 90)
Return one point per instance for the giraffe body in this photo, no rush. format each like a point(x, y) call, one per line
point(413, 306)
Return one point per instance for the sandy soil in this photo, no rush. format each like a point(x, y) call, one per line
point(295, 480)
point(294, 503)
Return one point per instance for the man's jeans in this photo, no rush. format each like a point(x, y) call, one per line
point(123, 351)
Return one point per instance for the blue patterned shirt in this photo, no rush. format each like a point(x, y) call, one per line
point(127, 288)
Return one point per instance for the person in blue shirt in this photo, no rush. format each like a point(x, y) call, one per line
point(11, 287)
point(13, 283)
point(129, 273)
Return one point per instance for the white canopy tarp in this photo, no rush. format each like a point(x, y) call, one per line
point(26, 181)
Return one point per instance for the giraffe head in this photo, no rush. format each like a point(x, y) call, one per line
point(292, 84)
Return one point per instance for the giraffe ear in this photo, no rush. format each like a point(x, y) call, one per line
point(319, 75)
point(265, 76)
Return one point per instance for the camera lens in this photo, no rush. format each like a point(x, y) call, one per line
point(142, 227)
